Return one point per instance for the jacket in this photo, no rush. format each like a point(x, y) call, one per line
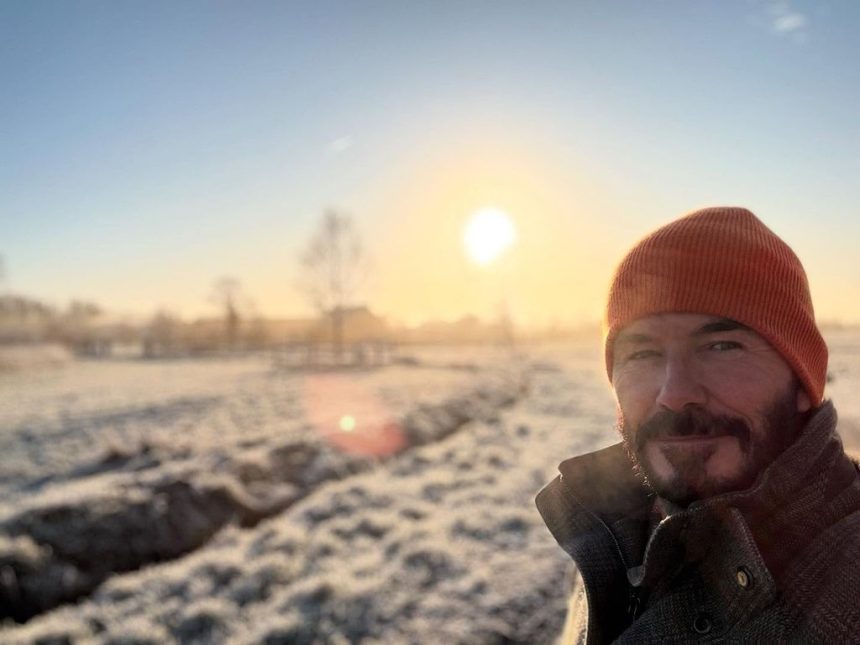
point(777, 562)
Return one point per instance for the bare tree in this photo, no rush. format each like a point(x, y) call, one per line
point(333, 263)
point(227, 294)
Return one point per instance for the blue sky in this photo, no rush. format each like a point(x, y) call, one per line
point(147, 148)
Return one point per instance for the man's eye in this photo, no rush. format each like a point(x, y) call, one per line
point(724, 345)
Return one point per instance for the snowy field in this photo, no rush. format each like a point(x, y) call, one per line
point(227, 501)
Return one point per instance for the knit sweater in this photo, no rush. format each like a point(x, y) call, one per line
point(778, 562)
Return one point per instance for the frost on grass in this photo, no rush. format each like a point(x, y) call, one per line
point(299, 542)
point(129, 508)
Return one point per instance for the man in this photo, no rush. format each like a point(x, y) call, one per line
point(729, 511)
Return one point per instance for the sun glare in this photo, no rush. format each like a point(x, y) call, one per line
point(487, 234)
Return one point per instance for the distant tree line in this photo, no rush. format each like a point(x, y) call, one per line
point(24, 319)
point(330, 271)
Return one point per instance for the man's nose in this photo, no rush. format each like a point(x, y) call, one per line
point(681, 386)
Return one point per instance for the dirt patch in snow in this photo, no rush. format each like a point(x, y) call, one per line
point(130, 509)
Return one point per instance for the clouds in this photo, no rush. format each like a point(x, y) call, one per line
point(340, 145)
point(784, 19)
point(792, 22)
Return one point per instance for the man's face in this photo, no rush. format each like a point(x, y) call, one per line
point(704, 403)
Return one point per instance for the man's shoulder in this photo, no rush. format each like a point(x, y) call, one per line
point(823, 584)
point(836, 548)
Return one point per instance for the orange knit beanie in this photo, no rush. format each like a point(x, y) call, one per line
point(722, 262)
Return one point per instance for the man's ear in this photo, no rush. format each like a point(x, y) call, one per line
point(803, 402)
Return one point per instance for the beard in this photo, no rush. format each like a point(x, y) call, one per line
point(690, 481)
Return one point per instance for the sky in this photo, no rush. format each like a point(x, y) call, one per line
point(149, 148)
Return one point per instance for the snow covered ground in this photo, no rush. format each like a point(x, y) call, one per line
point(223, 500)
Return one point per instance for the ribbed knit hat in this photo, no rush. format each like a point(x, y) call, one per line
point(722, 262)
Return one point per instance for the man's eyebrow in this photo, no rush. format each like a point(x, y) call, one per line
point(724, 324)
point(628, 337)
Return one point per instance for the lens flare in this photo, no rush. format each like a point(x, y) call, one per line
point(328, 396)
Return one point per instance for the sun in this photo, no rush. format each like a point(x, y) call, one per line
point(487, 234)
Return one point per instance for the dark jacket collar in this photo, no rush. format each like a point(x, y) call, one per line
point(598, 510)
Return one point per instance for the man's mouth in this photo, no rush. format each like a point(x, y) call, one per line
point(691, 438)
point(685, 433)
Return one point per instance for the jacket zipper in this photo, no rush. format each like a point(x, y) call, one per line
point(634, 603)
